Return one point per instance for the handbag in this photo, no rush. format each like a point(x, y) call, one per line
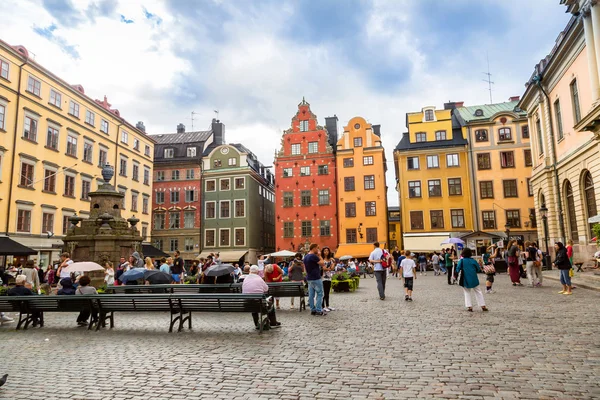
point(461, 278)
point(571, 273)
point(489, 269)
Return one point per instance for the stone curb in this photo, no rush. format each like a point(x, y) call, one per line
point(578, 283)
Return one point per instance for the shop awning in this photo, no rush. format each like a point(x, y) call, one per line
point(225, 256)
point(424, 242)
point(150, 251)
point(356, 250)
point(9, 247)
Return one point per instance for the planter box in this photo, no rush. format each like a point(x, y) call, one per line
point(343, 286)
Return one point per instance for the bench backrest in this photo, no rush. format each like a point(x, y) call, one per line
point(282, 289)
point(222, 302)
point(46, 303)
point(194, 288)
point(134, 302)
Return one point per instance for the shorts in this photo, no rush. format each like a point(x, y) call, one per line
point(408, 283)
point(490, 278)
point(176, 277)
point(565, 279)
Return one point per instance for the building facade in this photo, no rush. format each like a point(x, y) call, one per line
point(362, 189)
point(563, 107)
point(432, 171)
point(306, 191)
point(394, 227)
point(54, 141)
point(238, 204)
point(500, 165)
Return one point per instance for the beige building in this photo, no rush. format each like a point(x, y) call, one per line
point(54, 140)
point(563, 108)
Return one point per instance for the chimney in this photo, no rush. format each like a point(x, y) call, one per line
point(451, 105)
point(218, 129)
point(376, 129)
point(332, 130)
point(140, 126)
point(181, 128)
point(514, 98)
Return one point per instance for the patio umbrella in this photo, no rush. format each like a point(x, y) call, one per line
point(453, 241)
point(219, 270)
point(84, 266)
point(344, 258)
point(283, 253)
point(156, 277)
point(133, 275)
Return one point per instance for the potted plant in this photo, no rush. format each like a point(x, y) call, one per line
point(342, 282)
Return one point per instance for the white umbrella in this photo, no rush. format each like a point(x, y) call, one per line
point(453, 241)
point(344, 258)
point(84, 266)
point(283, 253)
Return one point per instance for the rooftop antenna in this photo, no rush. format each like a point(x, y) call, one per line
point(489, 78)
point(192, 118)
point(216, 114)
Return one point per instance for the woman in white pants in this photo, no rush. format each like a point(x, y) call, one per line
point(468, 268)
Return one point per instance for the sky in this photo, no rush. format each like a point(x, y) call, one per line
point(158, 61)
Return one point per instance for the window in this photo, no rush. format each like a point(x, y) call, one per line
point(358, 142)
point(217, 163)
point(2, 116)
point(123, 167)
point(571, 215)
point(124, 137)
point(104, 128)
point(370, 208)
point(160, 197)
point(160, 175)
point(30, 129)
point(189, 219)
point(145, 205)
point(24, 221)
point(232, 162)
point(313, 147)
point(350, 235)
point(484, 161)
point(540, 138)
point(324, 197)
point(589, 196)
point(287, 172)
point(240, 236)
point(72, 146)
point(458, 218)
point(210, 237)
point(26, 175)
point(433, 162)
point(479, 112)
point(420, 137)
point(134, 201)
point(486, 189)
point(527, 156)
point(575, 101)
point(429, 115)
point(52, 138)
point(440, 135)
point(305, 171)
point(3, 69)
point(69, 186)
point(454, 187)
point(34, 86)
point(349, 183)
point(49, 181)
point(175, 175)
point(224, 209)
point(74, 109)
point(102, 155)
point(296, 149)
point(529, 188)
point(558, 116)
point(368, 160)
point(88, 152)
point(350, 210)
point(55, 98)
point(513, 218)
point(147, 150)
point(240, 208)
point(323, 170)
point(489, 219)
point(146, 176)
point(136, 144)
point(225, 184)
point(66, 224)
point(348, 162)
point(306, 228)
point(371, 235)
point(414, 189)
point(169, 153)
point(525, 131)
point(507, 159)
point(412, 163)
point(481, 135)
point(510, 188)
point(189, 244)
point(305, 197)
point(452, 160)
point(211, 186)
point(123, 191)
point(288, 199)
point(89, 117)
point(190, 195)
point(158, 244)
point(174, 244)
point(437, 219)
point(416, 220)
point(288, 229)
point(210, 209)
point(369, 182)
point(435, 188)
point(191, 152)
point(504, 134)
point(174, 220)
point(303, 126)
point(86, 188)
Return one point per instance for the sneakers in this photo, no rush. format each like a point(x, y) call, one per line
point(275, 325)
point(425, 274)
point(330, 308)
point(82, 323)
point(470, 309)
point(410, 299)
point(5, 320)
point(292, 307)
point(484, 308)
point(319, 313)
point(562, 292)
point(568, 293)
point(326, 309)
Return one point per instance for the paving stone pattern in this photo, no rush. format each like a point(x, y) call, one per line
point(533, 344)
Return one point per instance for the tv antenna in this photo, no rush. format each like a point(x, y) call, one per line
point(192, 118)
point(216, 114)
point(489, 78)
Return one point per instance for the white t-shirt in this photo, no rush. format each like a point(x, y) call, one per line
point(435, 259)
point(408, 266)
point(261, 265)
point(376, 254)
point(63, 272)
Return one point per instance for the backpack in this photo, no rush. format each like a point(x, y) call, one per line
point(385, 258)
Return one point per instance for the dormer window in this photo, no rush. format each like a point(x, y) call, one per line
point(479, 112)
point(169, 153)
point(191, 152)
point(429, 115)
point(303, 126)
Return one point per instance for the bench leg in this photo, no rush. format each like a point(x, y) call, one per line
point(302, 304)
point(174, 321)
point(260, 324)
point(182, 320)
point(22, 320)
point(41, 320)
point(190, 321)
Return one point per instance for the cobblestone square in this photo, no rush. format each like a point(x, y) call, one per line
point(533, 344)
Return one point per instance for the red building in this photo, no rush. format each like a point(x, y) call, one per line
point(306, 193)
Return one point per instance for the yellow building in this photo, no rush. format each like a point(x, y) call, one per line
point(53, 142)
point(394, 228)
point(500, 165)
point(432, 171)
point(362, 189)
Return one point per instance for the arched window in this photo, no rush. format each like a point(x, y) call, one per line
point(589, 195)
point(571, 216)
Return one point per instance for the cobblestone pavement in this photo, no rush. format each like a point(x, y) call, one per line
point(533, 344)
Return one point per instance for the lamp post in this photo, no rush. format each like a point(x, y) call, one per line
point(544, 214)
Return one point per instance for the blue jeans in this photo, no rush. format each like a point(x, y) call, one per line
point(565, 279)
point(315, 288)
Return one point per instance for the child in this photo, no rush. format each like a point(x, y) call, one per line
point(409, 273)
point(489, 271)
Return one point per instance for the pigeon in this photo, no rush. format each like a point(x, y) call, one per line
point(3, 379)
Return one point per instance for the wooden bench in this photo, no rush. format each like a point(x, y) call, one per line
point(288, 289)
point(194, 288)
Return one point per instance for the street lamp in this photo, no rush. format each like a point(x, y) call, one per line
point(544, 214)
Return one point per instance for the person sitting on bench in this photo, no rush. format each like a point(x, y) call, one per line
point(21, 290)
point(252, 284)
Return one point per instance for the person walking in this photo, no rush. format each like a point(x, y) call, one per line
point(177, 268)
point(328, 267)
point(408, 271)
point(313, 264)
point(513, 263)
point(469, 268)
point(449, 264)
point(296, 273)
point(564, 265)
point(380, 272)
point(422, 264)
point(435, 263)
point(530, 259)
point(537, 264)
point(109, 273)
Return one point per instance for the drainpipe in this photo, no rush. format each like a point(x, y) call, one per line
point(538, 81)
point(14, 149)
point(474, 185)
